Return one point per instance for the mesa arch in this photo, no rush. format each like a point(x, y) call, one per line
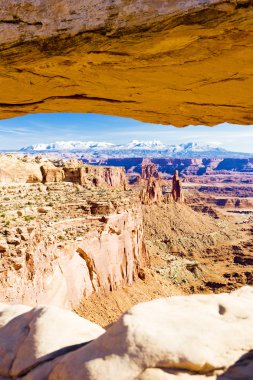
point(170, 62)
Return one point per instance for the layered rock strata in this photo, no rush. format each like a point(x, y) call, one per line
point(196, 337)
point(160, 62)
point(57, 254)
point(16, 168)
point(148, 170)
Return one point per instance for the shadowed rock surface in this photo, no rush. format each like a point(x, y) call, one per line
point(167, 62)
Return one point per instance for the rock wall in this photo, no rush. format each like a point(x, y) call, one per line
point(185, 166)
point(104, 176)
point(157, 61)
point(110, 255)
point(14, 169)
point(27, 169)
point(199, 337)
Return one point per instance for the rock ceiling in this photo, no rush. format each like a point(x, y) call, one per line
point(160, 61)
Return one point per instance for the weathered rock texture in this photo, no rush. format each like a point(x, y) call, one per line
point(37, 268)
point(150, 184)
point(149, 169)
point(173, 62)
point(177, 190)
point(103, 176)
point(16, 168)
point(32, 336)
point(196, 337)
point(151, 191)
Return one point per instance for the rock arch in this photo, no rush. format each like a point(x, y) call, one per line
point(167, 62)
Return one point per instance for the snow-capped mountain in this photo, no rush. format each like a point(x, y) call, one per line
point(149, 145)
point(135, 148)
point(68, 145)
point(194, 147)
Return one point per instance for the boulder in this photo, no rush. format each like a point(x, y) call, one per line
point(198, 337)
point(185, 337)
point(38, 335)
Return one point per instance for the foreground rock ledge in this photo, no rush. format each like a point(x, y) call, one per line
point(171, 62)
point(198, 337)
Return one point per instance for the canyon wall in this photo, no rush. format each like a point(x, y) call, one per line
point(172, 62)
point(36, 268)
point(66, 230)
point(186, 166)
point(16, 168)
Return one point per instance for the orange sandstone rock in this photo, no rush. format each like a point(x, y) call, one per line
point(157, 61)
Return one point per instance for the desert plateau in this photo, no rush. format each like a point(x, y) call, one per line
point(126, 190)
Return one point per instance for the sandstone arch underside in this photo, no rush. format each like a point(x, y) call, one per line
point(170, 62)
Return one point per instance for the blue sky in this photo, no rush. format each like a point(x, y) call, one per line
point(45, 128)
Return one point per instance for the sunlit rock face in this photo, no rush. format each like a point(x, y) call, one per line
point(109, 256)
point(201, 337)
point(173, 62)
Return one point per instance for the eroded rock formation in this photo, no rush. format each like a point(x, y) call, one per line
point(103, 176)
point(151, 192)
point(41, 264)
point(161, 62)
point(41, 334)
point(16, 168)
point(177, 190)
point(148, 170)
point(150, 184)
point(197, 337)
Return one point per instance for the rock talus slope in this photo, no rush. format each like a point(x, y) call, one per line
point(173, 62)
point(197, 337)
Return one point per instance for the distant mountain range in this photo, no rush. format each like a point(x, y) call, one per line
point(69, 145)
point(135, 148)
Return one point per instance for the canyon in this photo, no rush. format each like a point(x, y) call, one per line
point(109, 244)
point(26, 169)
point(185, 166)
point(77, 237)
point(72, 232)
